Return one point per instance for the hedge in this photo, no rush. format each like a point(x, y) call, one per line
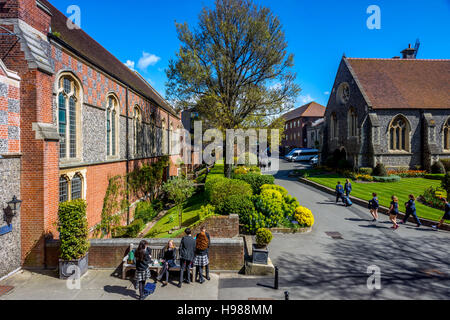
point(130, 231)
point(434, 176)
point(73, 229)
point(255, 180)
point(387, 179)
point(145, 212)
point(219, 189)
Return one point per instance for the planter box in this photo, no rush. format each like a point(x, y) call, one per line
point(260, 255)
point(67, 269)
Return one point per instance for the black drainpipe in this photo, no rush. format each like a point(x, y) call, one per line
point(127, 154)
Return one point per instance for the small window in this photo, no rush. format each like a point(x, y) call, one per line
point(63, 189)
point(76, 187)
point(447, 135)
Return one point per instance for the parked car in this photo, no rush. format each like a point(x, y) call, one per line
point(314, 161)
point(304, 155)
point(288, 157)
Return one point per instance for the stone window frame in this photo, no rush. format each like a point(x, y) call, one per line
point(164, 138)
point(334, 126)
point(352, 122)
point(77, 94)
point(113, 134)
point(137, 127)
point(446, 135)
point(405, 146)
point(69, 175)
point(343, 93)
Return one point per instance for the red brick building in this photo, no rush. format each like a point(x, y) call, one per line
point(84, 117)
point(296, 123)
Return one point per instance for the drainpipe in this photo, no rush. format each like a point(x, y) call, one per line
point(127, 153)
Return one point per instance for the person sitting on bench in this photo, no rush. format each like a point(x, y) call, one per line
point(168, 260)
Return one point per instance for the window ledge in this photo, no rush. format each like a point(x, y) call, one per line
point(70, 162)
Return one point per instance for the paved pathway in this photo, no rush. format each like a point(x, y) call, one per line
point(414, 263)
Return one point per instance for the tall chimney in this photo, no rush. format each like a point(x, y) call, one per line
point(409, 53)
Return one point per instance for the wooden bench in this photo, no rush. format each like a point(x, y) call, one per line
point(156, 253)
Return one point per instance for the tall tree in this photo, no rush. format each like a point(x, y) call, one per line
point(233, 67)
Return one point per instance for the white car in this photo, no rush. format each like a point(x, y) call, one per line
point(289, 156)
point(314, 160)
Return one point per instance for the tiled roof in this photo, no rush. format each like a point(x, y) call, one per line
point(404, 83)
point(79, 41)
point(311, 109)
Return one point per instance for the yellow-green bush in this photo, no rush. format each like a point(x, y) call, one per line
point(280, 189)
point(263, 236)
point(304, 217)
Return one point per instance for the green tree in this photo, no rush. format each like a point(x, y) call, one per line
point(234, 67)
point(179, 190)
point(146, 181)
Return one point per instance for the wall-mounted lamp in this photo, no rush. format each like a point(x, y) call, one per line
point(12, 209)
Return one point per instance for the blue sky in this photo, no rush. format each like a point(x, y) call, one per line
point(318, 33)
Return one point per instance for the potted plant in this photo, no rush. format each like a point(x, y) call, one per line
point(260, 251)
point(73, 235)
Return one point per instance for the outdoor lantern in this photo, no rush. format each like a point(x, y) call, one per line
point(11, 209)
point(15, 204)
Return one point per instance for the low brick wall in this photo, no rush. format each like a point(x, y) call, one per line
point(219, 227)
point(225, 254)
point(364, 203)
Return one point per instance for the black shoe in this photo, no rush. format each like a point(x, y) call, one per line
point(374, 220)
point(418, 226)
point(186, 281)
point(208, 278)
point(202, 281)
point(179, 285)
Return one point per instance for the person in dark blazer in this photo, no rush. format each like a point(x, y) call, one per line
point(143, 261)
point(348, 187)
point(187, 255)
point(411, 210)
point(339, 192)
point(168, 260)
point(203, 229)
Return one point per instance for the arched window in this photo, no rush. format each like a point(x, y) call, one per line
point(63, 189)
point(352, 123)
point(164, 139)
point(68, 122)
point(333, 126)
point(399, 131)
point(171, 137)
point(76, 187)
point(446, 134)
point(137, 124)
point(111, 126)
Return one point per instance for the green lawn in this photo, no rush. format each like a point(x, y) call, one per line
point(191, 210)
point(400, 189)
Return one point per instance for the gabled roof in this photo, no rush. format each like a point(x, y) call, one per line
point(82, 44)
point(311, 109)
point(404, 83)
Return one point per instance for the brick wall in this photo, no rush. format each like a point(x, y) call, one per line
point(220, 227)
point(225, 254)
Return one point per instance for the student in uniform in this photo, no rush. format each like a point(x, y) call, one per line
point(411, 210)
point(143, 260)
point(339, 192)
point(393, 212)
point(348, 188)
point(374, 205)
point(446, 214)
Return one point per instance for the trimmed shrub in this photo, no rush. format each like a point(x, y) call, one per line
point(255, 180)
point(241, 170)
point(145, 212)
point(280, 189)
point(224, 188)
point(263, 237)
point(73, 229)
point(387, 179)
point(438, 167)
point(304, 217)
point(446, 184)
point(132, 230)
point(380, 171)
point(270, 204)
point(437, 176)
point(236, 204)
point(289, 205)
point(206, 211)
point(365, 171)
point(446, 163)
point(211, 181)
